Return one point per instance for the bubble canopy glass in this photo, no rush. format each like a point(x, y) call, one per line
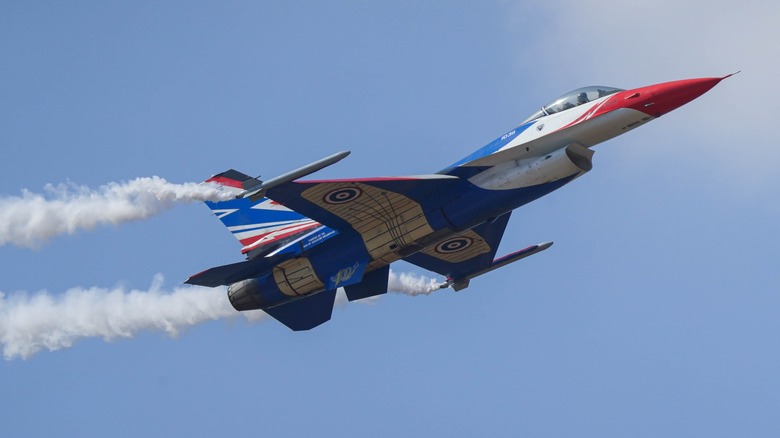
point(572, 99)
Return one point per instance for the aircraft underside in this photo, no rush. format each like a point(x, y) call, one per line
point(305, 239)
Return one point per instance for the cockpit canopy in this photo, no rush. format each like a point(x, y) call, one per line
point(572, 99)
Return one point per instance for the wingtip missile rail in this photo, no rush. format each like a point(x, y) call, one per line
point(461, 283)
point(255, 189)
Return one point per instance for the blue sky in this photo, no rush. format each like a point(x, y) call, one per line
point(655, 312)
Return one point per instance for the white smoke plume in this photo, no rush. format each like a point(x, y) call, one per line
point(30, 323)
point(31, 219)
point(411, 284)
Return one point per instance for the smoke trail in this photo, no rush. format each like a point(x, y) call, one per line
point(30, 323)
point(31, 219)
point(411, 284)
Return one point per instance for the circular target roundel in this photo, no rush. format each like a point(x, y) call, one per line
point(343, 195)
point(454, 245)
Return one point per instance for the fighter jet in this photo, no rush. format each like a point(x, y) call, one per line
point(304, 239)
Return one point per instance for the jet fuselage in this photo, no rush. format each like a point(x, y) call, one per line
point(308, 238)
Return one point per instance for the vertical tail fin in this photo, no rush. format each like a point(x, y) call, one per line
point(260, 226)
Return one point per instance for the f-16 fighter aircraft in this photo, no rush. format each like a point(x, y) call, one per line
point(305, 239)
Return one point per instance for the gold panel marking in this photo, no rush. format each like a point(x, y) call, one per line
point(296, 277)
point(459, 248)
point(387, 221)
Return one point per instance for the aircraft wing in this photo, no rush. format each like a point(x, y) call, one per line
point(468, 252)
point(388, 213)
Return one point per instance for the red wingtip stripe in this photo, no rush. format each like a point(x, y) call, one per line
point(221, 180)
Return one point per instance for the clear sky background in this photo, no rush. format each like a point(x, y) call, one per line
point(654, 314)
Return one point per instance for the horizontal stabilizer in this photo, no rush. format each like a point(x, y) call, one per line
point(227, 274)
point(305, 313)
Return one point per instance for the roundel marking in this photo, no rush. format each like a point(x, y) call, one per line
point(342, 195)
point(454, 245)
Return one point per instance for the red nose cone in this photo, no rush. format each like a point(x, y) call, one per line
point(657, 100)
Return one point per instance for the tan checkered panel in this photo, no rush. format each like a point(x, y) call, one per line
point(296, 277)
point(387, 221)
